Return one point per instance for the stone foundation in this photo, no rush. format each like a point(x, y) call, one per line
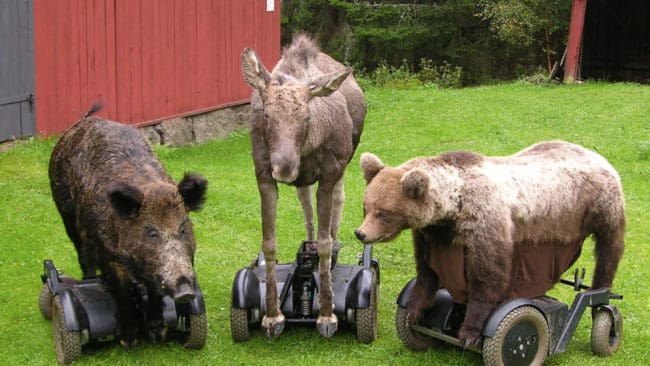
point(196, 129)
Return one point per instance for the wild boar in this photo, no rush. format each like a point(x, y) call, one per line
point(126, 217)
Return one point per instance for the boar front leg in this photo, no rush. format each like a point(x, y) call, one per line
point(156, 323)
point(119, 284)
point(273, 321)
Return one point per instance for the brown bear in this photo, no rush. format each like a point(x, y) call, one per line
point(489, 229)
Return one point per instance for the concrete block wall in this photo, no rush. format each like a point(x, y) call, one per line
point(196, 129)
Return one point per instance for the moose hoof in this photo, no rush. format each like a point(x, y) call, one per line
point(327, 325)
point(273, 326)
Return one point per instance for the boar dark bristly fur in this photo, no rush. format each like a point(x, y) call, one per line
point(126, 217)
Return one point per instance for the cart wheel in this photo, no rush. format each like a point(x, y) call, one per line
point(239, 327)
point(604, 339)
point(67, 342)
point(521, 338)
point(412, 339)
point(45, 302)
point(198, 331)
point(366, 319)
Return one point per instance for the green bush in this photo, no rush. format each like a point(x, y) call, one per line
point(443, 76)
point(403, 77)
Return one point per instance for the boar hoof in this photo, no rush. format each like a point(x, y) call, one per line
point(158, 332)
point(273, 326)
point(185, 293)
point(128, 344)
point(327, 325)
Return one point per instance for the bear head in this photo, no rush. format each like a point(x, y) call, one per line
point(395, 199)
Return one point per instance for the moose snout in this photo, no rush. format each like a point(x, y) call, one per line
point(284, 167)
point(360, 235)
point(184, 291)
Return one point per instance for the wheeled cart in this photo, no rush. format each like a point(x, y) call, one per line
point(355, 288)
point(84, 312)
point(520, 331)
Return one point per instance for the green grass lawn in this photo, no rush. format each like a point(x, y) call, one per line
point(612, 119)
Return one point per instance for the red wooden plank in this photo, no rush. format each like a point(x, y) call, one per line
point(205, 56)
point(111, 68)
point(44, 40)
point(150, 53)
point(220, 51)
point(574, 45)
point(162, 62)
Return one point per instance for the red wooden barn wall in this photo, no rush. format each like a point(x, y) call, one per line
point(146, 59)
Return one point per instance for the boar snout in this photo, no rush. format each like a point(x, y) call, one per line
point(184, 291)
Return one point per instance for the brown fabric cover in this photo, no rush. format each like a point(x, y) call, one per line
point(535, 269)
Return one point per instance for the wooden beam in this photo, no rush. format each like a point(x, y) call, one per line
point(574, 45)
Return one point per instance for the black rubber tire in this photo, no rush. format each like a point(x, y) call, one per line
point(198, 331)
point(239, 327)
point(366, 319)
point(67, 342)
point(412, 339)
point(507, 347)
point(604, 341)
point(45, 302)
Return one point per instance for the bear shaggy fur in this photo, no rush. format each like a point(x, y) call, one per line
point(493, 228)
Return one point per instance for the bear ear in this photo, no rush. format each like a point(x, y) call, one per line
point(125, 199)
point(415, 183)
point(371, 165)
point(192, 188)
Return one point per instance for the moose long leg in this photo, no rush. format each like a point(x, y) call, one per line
point(273, 321)
point(305, 195)
point(338, 198)
point(326, 322)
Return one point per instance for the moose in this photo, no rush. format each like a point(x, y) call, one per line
point(307, 120)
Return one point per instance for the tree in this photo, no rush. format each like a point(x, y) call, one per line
point(528, 23)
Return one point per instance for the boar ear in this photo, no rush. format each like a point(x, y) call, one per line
point(125, 199)
point(254, 71)
point(415, 183)
point(326, 84)
point(192, 188)
point(371, 165)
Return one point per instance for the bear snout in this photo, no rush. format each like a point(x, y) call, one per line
point(360, 235)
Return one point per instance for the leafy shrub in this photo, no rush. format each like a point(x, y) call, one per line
point(443, 76)
point(403, 77)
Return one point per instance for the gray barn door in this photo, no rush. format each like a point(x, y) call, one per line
point(16, 69)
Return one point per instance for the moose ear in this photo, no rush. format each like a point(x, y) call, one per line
point(254, 71)
point(192, 188)
point(371, 165)
point(125, 199)
point(326, 84)
point(415, 183)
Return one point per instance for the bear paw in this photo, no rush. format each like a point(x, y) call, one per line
point(413, 316)
point(470, 336)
